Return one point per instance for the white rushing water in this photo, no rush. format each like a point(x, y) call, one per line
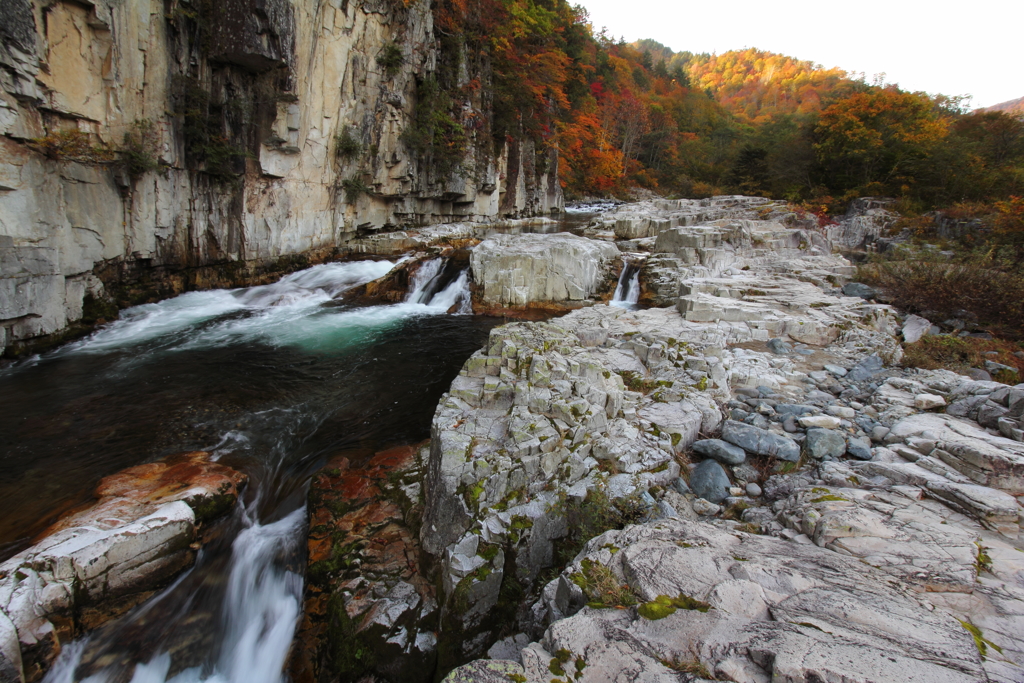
point(262, 601)
point(627, 292)
point(259, 614)
point(296, 311)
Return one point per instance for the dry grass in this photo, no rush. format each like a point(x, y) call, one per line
point(962, 353)
point(601, 587)
point(974, 286)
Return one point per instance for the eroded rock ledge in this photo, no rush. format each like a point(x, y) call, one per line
point(99, 562)
point(801, 507)
point(813, 512)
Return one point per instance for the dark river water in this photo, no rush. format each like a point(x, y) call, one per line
point(274, 380)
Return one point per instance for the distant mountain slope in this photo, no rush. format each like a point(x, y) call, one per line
point(753, 84)
point(1011, 107)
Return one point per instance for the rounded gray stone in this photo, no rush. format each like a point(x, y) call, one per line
point(722, 451)
point(859, 289)
point(760, 441)
point(859, 448)
point(710, 481)
point(824, 443)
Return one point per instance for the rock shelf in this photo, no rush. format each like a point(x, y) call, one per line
point(100, 561)
point(813, 511)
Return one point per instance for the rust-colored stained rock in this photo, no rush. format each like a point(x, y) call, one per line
point(102, 560)
point(363, 585)
point(207, 487)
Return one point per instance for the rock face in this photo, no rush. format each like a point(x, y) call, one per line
point(517, 270)
point(866, 219)
point(257, 130)
point(101, 561)
point(748, 608)
point(368, 608)
point(891, 549)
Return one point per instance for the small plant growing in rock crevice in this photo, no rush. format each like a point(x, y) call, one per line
point(72, 145)
point(594, 515)
point(391, 59)
point(354, 188)
point(139, 152)
point(601, 587)
point(347, 146)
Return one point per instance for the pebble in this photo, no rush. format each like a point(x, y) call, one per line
point(826, 421)
point(836, 370)
point(928, 401)
point(824, 444)
point(790, 425)
point(753, 490)
point(704, 507)
point(842, 411)
point(859, 448)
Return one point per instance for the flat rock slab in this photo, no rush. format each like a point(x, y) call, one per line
point(760, 441)
point(101, 561)
point(777, 611)
point(988, 460)
point(907, 538)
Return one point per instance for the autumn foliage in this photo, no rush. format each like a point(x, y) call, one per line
point(624, 115)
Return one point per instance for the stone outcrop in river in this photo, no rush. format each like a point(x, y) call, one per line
point(151, 150)
point(803, 508)
point(99, 562)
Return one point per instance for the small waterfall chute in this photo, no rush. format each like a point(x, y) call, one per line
point(627, 292)
point(441, 284)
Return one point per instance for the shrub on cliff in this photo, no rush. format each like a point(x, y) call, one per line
point(72, 145)
point(139, 152)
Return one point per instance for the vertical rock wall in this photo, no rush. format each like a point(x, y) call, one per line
point(142, 140)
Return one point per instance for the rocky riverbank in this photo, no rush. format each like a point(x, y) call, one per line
point(802, 507)
point(738, 482)
point(95, 564)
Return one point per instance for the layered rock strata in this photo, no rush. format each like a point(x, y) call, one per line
point(147, 150)
point(101, 561)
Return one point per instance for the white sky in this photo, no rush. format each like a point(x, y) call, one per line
point(964, 48)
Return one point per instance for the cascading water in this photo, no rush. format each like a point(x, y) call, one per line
point(273, 380)
point(627, 292)
point(441, 283)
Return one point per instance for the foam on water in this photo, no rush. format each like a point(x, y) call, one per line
point(627, 292)
point(218, 316)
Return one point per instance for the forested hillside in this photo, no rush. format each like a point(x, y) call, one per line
point(747, 121)
point(1010, 107)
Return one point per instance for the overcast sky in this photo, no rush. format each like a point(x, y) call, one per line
point(965, 48)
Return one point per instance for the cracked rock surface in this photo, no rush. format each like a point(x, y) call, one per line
point(866, 523)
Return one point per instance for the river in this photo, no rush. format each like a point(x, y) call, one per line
point(274, 380)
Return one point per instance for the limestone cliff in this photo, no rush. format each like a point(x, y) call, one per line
point(182, 144)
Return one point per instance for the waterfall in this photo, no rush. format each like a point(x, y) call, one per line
point(627, 293)
point(440, 284)
point(259, 614)
point(420, 289)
